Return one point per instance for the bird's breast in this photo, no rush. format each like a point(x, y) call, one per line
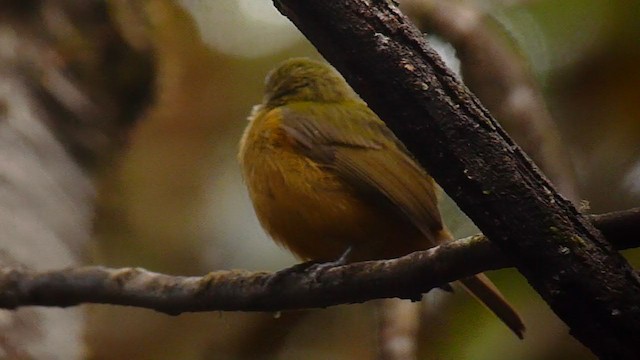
point(304, 206)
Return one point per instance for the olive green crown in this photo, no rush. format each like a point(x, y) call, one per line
point(303, 79)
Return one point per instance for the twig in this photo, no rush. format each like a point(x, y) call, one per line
point(295, 288)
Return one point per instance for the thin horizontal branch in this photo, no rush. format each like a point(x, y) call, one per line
point(294, 288)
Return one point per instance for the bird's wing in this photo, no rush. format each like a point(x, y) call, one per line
point(352, 141)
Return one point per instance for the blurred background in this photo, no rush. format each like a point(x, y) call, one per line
point(136, 108)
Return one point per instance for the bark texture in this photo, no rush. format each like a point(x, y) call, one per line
point(389, 63)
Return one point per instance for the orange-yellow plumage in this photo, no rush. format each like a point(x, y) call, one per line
point(325, 175)
point(311, 210)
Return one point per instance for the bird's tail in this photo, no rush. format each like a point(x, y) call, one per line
point(483, 289)
point(487, 293)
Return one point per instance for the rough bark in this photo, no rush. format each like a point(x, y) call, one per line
point(388, 62)
point(501, 77)
point(299, 287)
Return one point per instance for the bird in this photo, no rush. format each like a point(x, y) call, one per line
point(330, 181)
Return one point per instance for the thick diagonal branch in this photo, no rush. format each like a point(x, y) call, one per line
point(568, 262)
point(502, 79)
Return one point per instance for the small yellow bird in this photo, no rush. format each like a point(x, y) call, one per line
point(327, 178)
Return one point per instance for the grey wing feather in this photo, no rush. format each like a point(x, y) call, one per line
point(367, 155)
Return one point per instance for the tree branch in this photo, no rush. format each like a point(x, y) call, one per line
point(294, 288)
point(501, 78)
point(388, 62)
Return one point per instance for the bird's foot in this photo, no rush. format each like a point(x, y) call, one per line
point(317, 269)
point(323, 266)
point(296, 270)
point(312, 269)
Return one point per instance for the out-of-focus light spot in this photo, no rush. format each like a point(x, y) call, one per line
point(526, 31)
point(447, 52)
point(246, 28)
point(263, 11)
point(632, 179)
point(557, 34)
